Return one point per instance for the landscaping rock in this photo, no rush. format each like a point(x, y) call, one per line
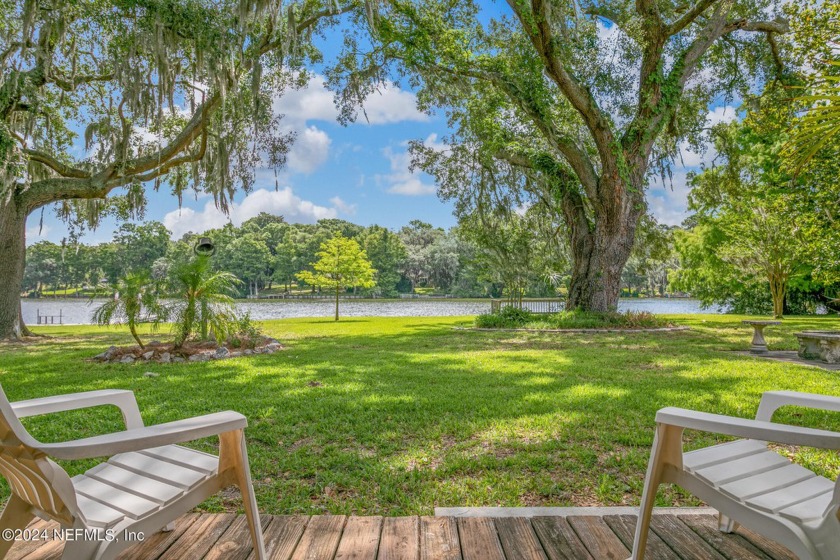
point(107, 354)
point(148, 355)
point(221, 353)
point(273, 347)
point(199, 358)
point(151, 374)
point(127, 359)
point(248, 352)
point(166, 357)
point(178, 360)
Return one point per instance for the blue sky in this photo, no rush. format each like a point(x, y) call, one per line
point(358, 172)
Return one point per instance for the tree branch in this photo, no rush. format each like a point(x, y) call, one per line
point(537, 27)
point(688, 18)
point(70, 84)
point(61, 168)
point(41, 193)
point(195, 127)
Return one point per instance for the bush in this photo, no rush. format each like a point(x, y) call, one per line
point(590, 320)
point(245, 333)
point(513, 317)
point(508, 317)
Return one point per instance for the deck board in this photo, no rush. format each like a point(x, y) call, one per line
point(336, 537)
point(439, 539)
point(360, 540)
point(679, 537)
point(624, 526)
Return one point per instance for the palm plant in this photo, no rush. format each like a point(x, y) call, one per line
point(135, 300)
point(203, 301)
point(821, 124)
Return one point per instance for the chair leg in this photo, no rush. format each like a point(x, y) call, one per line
point(83, 547)
point(725, 524)
point(16, 515)
point(233, 450)
point(666, 443)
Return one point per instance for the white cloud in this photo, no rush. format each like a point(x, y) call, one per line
point(411, 186)
point(669, 202)
point(283, 202)
point(309, 151)
point(402, 180)
point(343, 207)
point(37, 232)
point(722, 114)
point(314, 102)
point(391, 105)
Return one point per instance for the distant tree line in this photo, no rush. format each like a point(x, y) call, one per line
point(509, 258)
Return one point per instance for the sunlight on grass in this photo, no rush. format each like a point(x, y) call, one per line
point(398, 415)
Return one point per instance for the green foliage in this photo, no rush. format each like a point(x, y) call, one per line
point(408, 412)
point(816, 26)
point(387, 253)
point(756, 223)
point(544, 109)
point(341, 264)
point(511, 317)
point(520, 251)
point(244, 333)
point(203, 301)
point(247, 257)
point(135, 300)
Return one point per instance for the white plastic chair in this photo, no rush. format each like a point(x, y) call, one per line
point(747, 482)
point(145, 485)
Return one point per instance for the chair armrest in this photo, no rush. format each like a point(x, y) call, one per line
point(747, 428)
point(771, 401)
point(124, 400)
point(144, 438)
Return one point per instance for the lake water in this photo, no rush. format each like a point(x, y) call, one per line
point(78, 311)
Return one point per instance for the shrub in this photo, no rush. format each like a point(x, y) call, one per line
point(245, 332)
point(590, 320)
point(508, 317)
point(513, 317)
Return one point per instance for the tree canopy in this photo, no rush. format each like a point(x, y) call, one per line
point(580, 103)
point(176, 95)
point(341, 264)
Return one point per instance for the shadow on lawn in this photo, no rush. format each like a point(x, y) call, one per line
point(391, 419)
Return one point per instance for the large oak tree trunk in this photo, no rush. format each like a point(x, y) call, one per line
point(599, 250)
point(596, 269)
point(12, 259)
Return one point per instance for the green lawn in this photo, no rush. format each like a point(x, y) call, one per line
point(399, 415)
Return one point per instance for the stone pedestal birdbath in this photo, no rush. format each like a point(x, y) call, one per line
point(759, 345)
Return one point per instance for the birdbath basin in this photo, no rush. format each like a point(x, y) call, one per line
point(759, 345)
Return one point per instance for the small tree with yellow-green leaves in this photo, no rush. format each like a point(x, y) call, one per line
point(341, 264)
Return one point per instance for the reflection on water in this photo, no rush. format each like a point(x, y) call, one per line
point(79, 311)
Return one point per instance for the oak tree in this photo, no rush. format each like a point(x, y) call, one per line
point(168, 97)
point(539, 98)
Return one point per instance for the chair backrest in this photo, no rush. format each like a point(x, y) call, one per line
point(33, 477)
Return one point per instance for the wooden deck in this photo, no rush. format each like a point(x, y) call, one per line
point(225, 537)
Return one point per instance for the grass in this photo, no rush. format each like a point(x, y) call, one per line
point(399, 415)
